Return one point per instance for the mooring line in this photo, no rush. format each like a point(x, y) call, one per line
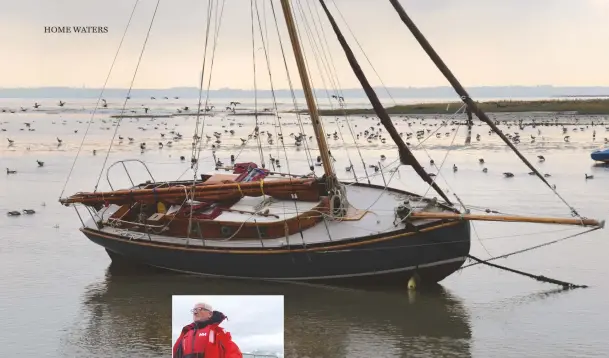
point(565, 285)
point(532, 247)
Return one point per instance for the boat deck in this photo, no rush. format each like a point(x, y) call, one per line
point(372, 212)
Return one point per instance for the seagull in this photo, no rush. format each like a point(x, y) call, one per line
point(508, 174)
point(8, 171)
point(40, 164)
point(589, 176)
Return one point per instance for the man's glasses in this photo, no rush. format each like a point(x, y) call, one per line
point(198, 309)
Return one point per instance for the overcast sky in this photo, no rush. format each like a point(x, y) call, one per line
point(254, 322)
point(485, 42)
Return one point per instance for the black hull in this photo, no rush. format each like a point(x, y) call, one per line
point(433, 253)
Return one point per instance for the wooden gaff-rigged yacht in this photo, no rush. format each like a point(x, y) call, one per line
point(259, 224)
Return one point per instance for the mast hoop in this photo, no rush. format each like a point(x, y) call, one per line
point(337, 205)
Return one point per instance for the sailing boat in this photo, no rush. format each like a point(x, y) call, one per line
point(259, 224)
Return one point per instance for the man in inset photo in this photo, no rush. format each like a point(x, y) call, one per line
point(204, 337)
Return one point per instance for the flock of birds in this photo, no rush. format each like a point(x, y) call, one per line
point(481, 161)
point(227, 128)
point(17, 213)
point(232, 107)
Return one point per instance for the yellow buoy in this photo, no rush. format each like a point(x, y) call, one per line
point(412, 283)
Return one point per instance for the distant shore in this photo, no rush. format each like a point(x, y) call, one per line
point(591, 106)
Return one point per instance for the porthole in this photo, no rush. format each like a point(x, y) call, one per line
point(226, 231)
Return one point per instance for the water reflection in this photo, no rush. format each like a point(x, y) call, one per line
point(339, 323)
point(129, 313)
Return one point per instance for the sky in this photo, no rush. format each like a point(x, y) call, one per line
point(254, 322)
point(484, 42)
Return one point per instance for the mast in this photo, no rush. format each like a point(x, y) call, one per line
point(456, 85)
point(406, 156)
point(308, 92)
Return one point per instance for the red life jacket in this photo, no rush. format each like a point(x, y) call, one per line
point(210, 341)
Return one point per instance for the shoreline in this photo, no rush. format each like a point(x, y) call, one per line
point(576, 106)
point(583, 107)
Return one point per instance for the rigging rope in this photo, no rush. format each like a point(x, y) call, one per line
point(99, 99)
point(394, 102)
point(434, 179)
point(530, 248)
point(294, 199)
point(292, 92)
point(218, 22)
point(339, 192)
point(340, 93)
point(479, 240)
point(308, 68)
point(319, 49)
point(256, 128)
point(195, 161)
point(128, 93)
point(572, 209)
point(196, 135)
point(363, 52)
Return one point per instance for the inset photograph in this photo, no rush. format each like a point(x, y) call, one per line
point(227, 326)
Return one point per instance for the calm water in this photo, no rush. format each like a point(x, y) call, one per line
point(61, 298)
